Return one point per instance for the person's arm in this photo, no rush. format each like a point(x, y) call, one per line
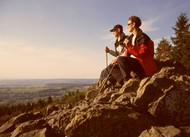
point(114, 61)
point(113, 53)
point(137, 51)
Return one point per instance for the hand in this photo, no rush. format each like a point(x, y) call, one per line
point(126, 41)
point(114, 61)
point(107, 50)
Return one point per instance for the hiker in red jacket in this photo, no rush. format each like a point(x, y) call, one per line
point(142, 48)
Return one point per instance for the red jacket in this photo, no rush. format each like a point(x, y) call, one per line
point(144, 52)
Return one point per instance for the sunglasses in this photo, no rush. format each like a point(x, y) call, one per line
point(129, 24)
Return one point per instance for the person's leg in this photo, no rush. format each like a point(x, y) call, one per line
point(127, 64)
point(112, 69)
point(105, 72)
point(116, 74)
point(124, 65)
point(138, 69)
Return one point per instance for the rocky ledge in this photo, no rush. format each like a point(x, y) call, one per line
point(157, 106)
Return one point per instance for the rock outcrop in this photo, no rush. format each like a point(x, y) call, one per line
point(157, 106)
point(169, 131)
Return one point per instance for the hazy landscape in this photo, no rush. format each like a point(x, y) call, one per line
point(25, 90)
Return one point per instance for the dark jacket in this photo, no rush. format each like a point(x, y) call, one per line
point(143, 50)
point(117, 43)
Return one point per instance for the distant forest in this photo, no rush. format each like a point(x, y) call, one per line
point(7, 112)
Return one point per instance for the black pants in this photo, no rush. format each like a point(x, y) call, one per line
point(128, 64)
point(116, 75)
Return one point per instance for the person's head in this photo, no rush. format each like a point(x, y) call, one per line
point(117, 30)
point(134, 22)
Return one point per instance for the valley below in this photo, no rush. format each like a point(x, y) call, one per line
point(18, 92)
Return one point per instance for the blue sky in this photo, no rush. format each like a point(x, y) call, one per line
point(66, 38)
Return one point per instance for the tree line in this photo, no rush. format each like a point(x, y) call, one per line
point(9, 111)
point(179, 49)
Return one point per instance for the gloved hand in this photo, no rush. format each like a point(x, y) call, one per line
point(107, 50)
point(114, 61)
point(126, 41)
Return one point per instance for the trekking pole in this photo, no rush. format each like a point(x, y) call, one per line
point(106, 59)
point(104, 82)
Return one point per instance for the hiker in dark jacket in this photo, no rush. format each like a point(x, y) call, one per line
point(142, 48)
point(116, 75)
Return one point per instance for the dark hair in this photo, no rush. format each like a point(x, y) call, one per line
point(136, 20)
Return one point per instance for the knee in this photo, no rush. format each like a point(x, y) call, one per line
point(119, 59)
point(103, 71)
point(122, 59)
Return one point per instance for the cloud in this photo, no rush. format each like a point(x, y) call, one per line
point(148, 25)
point(156, 41)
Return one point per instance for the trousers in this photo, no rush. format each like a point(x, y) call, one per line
point(115, 75)
point(128, 64)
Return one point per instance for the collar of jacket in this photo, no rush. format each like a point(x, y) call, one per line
point(140, 39)
point(120, 42)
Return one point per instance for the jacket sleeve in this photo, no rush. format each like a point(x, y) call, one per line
point(137, 50)
point(113, 53)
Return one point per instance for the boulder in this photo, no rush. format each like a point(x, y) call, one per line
point(179, 68)
point(124, 98)
point(168, 131)
point(104, 96)
point(166, 96)
point(91, 94)
point(15, 121)
point(174, 106)
point(108, 120)
point(131, 86)
point(51, 108)
point(59, 119)
point(126, 92)
point(33, 128)
point(152, 88)
point(185, 131)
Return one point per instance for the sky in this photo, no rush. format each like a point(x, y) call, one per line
point(50, 39)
